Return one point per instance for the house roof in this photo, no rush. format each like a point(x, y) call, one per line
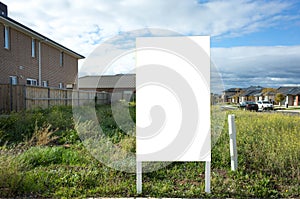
point(295, 91)
point(12, 23)
point(252, 91)
point(107, 81)
point(289, 90)
point(257, 88)
point(232, 90)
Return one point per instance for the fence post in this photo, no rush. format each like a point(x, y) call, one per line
point(49, 97)
point(232, 142)
point(78, 103)
point(11, 97)
point(66, 97)
point(24, 95)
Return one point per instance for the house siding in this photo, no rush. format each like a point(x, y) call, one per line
point(18, 61)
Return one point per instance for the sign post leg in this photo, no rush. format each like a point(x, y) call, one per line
point(139, 177)
point(207, 176)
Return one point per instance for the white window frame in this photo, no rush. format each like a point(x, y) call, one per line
point(127, 92)
point(61, 85)
point(69, 86)
point(61, 59)
point(45, 83)
point(13, 80)
point(33, 82)
point(6, 37)
point(33, 48)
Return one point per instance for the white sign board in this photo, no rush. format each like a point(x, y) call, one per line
point(173, 99)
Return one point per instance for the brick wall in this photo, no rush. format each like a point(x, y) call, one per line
point(17, 61)
point(53, 72)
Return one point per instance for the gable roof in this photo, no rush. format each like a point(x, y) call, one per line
point(252, 91)
point(20, 27)
point(232, 90)
point(107, 81)
point(257, 88)
point(289, 90)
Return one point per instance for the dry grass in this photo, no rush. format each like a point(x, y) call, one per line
point(43, 136)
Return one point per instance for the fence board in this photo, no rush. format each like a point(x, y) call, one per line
point(36, 97)
point(21, 97)
point(4, 99)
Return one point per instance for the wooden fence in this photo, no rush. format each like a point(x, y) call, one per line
point(21, 97)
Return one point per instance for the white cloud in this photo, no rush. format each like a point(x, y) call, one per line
point(73, 23)
point(266, 66)
point(83, 25)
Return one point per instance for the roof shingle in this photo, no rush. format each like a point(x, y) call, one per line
point(107, 81)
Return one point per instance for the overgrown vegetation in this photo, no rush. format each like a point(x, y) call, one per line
point(42, 156)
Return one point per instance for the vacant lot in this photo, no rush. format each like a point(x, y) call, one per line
point(41, 155)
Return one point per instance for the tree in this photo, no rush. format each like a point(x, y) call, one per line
point(239, 92)
point(279, 98)
point(269, 91)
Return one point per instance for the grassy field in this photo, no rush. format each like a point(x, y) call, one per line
point(41, 155)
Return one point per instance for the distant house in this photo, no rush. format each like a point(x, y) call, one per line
point(29, 58)
point(256, 93)
point(252, 93)
point(292, 94)
point(228, 95)
point(236, 95)
point(121, 83)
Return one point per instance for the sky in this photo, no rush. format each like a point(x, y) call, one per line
point(253, 42)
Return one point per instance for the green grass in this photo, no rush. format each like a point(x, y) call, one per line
point(268, 159)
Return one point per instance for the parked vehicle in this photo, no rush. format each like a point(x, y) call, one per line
point(249, 105)
point(265, 105)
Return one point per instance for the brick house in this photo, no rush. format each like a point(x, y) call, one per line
point(29, 58)
point(228, 95)
point(291, 93)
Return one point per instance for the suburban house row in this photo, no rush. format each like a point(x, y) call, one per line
point(257, 93)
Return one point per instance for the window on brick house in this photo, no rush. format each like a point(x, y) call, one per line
point(13, 80)
point(32, 48)
point(6, 37)
point(60, 85)
point(45, 83)
point(61, 59)
point(31, 82)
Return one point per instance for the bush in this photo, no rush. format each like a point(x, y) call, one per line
point(18, 127)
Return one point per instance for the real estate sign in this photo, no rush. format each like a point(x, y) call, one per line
point(173, 99)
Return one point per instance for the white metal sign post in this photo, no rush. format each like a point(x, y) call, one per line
point(207, 176)
point(139, 177)
point(232, 143)
point(173, 101)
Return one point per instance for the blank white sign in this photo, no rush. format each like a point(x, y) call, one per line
point(173, 98)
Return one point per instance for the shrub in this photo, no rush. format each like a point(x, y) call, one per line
point(18, 127)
